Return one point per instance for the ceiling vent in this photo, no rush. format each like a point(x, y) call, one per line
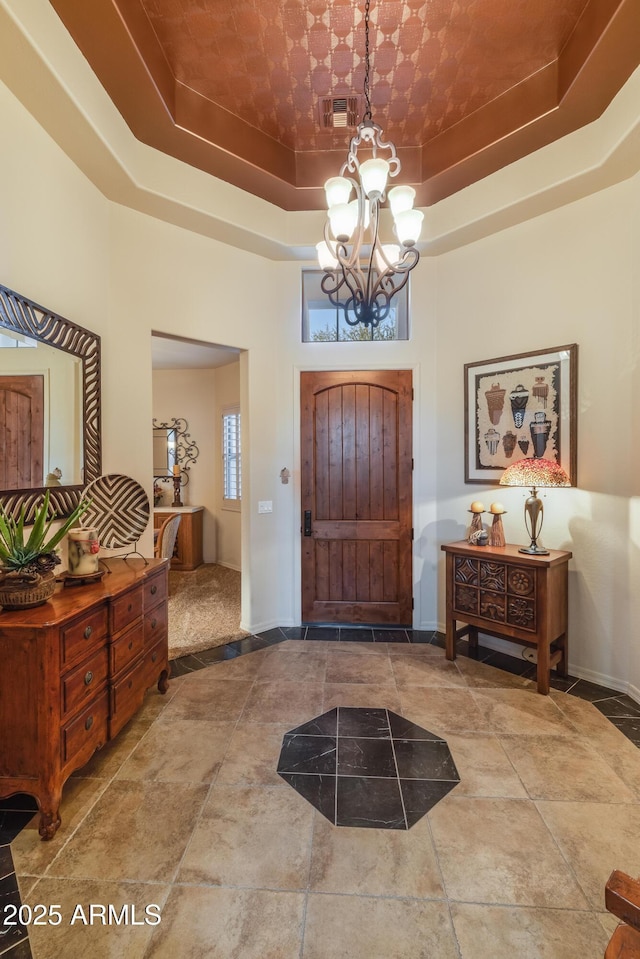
point(339, 112)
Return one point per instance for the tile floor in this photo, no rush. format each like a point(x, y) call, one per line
point(186, 811)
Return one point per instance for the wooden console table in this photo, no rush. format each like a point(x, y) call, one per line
point(512, 595)
point(74, 671)
point(188, 551)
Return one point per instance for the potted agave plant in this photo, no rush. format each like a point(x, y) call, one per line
point(27, 561)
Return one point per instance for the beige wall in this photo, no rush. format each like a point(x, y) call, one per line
point(199, 396)
point(568, 275)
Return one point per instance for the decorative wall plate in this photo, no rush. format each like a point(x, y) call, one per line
point(119, 510)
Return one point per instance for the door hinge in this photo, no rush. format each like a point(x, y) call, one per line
point(413, 395)
point(412, 534)
point(412, 466)
point(412, 603)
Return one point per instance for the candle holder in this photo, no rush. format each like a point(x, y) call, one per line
point(496, 534)
point(476, 510)
point(83, 549)
point(177, 482)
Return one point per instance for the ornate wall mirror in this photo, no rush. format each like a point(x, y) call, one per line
point(49, 406)
point(173, 445)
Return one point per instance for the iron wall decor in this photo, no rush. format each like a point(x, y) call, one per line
point(185, 452)
point(520, 406)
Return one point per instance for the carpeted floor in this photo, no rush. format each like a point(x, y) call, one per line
point(204, 609)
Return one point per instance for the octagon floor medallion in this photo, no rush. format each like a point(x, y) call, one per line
point(367, 767)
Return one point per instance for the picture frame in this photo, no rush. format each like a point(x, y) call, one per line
point(518, 406)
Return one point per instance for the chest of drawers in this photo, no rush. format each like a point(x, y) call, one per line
point(513, 595)
point(74, 672)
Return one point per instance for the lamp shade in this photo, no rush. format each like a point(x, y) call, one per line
point(342, 220)
point(390, 251)
point(373, 176)
point(408, 226)
point(337, 190)
point(535, 472)
point(401, 198)
point(326, 259)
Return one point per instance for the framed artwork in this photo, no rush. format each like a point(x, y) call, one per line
point(520, 406)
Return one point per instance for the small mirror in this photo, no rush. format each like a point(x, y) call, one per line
point(164, 452)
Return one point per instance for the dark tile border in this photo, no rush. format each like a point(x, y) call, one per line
point(14, 940)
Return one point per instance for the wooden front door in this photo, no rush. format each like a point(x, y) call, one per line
point(21, 431)
point(356, 497)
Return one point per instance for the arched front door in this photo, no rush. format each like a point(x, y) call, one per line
point(356, 462)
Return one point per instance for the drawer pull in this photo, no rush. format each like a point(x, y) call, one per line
point(88, 677)
point(154, 623)
point(154, 590)
point(87, 632)
point(130, 684)
point(131, 644)
point(88, 723)
point(129, 607)
point(154, 656)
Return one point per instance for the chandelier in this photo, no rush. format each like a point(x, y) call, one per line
point(362, 274)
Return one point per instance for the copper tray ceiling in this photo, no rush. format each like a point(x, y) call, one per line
point(239, 88)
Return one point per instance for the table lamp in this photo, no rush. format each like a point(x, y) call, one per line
point(534, 473)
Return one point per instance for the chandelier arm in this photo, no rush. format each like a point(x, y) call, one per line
point(370, 134)
point(409, 259)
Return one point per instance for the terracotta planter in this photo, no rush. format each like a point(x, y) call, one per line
point(25, 590)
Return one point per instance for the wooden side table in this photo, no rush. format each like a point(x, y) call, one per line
point(512, 595)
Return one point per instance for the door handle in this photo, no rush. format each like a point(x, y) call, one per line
point(307, 522)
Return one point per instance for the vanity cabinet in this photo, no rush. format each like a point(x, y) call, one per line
point(74, 672)
point(516, 596)
point(188, 551)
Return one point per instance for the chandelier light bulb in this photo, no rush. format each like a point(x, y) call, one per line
point(408, 226)
point(401, 198)
point(387, 257)
point(337, 190)
point(341, 218)
point(373, 176)
point(326, 259)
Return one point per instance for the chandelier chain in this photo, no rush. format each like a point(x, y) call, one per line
point(367, 112)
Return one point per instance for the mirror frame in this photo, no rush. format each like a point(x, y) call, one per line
point(21, 315)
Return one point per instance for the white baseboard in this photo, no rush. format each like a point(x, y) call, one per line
point(256, 628)
point(580, 672)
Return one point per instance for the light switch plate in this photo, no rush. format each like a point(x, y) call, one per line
point(265, 506)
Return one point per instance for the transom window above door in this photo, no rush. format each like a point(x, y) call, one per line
point(322, 322)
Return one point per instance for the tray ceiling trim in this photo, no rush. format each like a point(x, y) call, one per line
point(119, 43)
